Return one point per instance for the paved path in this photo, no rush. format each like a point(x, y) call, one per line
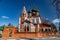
point(44, 38)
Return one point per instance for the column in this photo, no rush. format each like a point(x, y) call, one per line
point(19, 25)
point(34, 20)
point(38, 27)
point(39, 19)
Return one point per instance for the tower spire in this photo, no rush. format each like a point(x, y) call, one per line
point(24, 12)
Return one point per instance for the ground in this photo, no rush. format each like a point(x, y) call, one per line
point(43, 38)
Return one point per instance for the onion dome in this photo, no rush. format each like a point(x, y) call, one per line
point(35, 10)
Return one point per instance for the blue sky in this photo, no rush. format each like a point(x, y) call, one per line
point(10, 10)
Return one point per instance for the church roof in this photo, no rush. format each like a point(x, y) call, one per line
point(44, 21)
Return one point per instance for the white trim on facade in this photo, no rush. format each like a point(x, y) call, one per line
point(19, 25)
point(38, 27)
point(32, 28)
point(39, 19)
point(35, 20)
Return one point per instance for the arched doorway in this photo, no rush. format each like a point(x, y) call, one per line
point(10, 32)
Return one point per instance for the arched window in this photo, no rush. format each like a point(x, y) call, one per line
point(49, 30)
point(40, 29)
point(27, 28)
point(45, 30)
point(37, 21)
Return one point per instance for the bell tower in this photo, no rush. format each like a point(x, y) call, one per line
point(23, 17)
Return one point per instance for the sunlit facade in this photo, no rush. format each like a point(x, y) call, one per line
point(31, 21)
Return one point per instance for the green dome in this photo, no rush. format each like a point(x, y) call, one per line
point(35, 10)
point(1, 28)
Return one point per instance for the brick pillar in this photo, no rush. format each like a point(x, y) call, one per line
point(21, 28)
point(22, 20)
point(36, 28)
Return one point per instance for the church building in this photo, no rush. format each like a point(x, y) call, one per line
point(32, 22)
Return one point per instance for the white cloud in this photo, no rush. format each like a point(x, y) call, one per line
point(5, 17)
point(56, 21)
